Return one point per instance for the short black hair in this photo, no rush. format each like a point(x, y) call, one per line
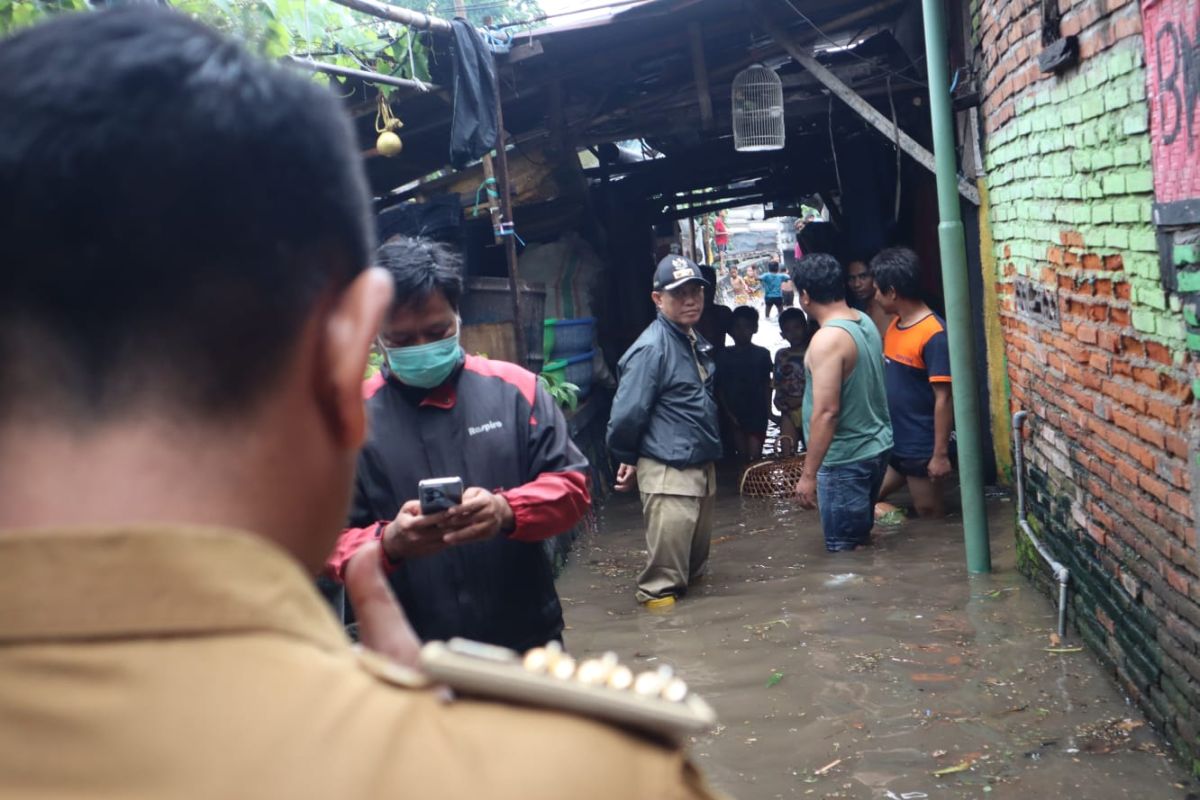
point(747, 313)
point(172, 210)
point(773, 266)
point(898, 268)
point(791, 315)
point(821, 276)
point(421, 267)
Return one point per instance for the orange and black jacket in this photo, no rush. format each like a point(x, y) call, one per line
point(493, 426)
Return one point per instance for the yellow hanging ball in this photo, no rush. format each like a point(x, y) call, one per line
point(388, 144)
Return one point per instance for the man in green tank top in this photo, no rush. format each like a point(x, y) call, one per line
point(845, 411)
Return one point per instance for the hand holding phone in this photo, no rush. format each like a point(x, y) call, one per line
point(439, 494)
point(482, 515)
point(443, 515)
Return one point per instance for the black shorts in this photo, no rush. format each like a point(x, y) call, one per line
point(915, 467)
point(774, 301)
point(789, 299)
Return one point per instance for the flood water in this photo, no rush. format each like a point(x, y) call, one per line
point(860, 675)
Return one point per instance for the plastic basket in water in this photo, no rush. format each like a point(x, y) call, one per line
point(774, 476)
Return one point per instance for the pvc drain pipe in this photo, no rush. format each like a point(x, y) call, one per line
point(1061, 574)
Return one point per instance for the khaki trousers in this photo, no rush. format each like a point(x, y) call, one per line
point(678, 509)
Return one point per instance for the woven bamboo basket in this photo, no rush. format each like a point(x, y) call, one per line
point(774, 476)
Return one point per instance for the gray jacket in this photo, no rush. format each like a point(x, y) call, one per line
point(662, 409)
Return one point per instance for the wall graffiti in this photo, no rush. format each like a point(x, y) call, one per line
point(1171, 31)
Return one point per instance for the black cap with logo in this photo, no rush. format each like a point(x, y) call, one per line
point(674, 271)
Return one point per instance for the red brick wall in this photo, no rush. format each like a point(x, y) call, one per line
point(1109, 380)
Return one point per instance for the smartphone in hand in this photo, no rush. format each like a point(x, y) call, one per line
point(439, 494)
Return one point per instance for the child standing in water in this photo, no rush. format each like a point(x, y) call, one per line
point(772, 286)
point(798, 330)
point(744, 385)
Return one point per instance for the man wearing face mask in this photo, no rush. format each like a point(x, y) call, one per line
point(664, 430)
point(478, 570)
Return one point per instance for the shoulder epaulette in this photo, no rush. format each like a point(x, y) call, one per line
point(655, 701)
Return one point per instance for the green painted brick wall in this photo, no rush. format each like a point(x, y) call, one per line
point(1111, 383)
point(1093, 140)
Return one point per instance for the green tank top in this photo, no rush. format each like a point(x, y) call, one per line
point(864, 428)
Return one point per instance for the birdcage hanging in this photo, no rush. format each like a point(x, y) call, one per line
point(757, 110)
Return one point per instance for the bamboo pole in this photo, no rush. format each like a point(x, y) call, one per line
point(361, 74)
point(510, 237)
point(499, 168)
point(413, 19)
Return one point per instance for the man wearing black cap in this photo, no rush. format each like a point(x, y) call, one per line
point(664, 431)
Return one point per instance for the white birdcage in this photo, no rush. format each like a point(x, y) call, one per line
point(757, 110)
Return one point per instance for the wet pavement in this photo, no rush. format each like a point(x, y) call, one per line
point(883, 673)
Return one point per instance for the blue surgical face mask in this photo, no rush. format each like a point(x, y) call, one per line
point(425, 365)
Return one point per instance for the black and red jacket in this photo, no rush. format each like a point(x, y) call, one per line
point(493, 426)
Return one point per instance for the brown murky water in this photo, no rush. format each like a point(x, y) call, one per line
point(861, 675)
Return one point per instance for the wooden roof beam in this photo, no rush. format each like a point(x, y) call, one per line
point(677, 212)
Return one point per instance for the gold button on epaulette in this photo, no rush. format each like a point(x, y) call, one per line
point(655, 701)
point(389, 671)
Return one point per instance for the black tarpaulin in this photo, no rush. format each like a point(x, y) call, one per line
point(473, 127)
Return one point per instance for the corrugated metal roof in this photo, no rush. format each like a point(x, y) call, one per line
point(630, 75)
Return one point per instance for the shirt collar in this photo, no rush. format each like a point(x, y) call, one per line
point(692, 337)
point(678, 331)
point(443, 397)
point(154, 581)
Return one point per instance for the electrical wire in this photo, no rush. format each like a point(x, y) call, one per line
point(833, 148)
point(843, 48)
point(896, 142)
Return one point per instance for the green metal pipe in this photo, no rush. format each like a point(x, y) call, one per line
point(952, 243)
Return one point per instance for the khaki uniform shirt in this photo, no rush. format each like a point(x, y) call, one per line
point(198, 662)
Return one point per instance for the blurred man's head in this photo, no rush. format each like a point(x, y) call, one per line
point(185, 230)
point(897, 272)
point(743, 325)
point(819, 281)
point(773, 266)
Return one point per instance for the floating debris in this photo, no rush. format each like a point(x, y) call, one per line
point(962, 766)
point(828, 767)
point(760, 629)
point(1109, 735)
